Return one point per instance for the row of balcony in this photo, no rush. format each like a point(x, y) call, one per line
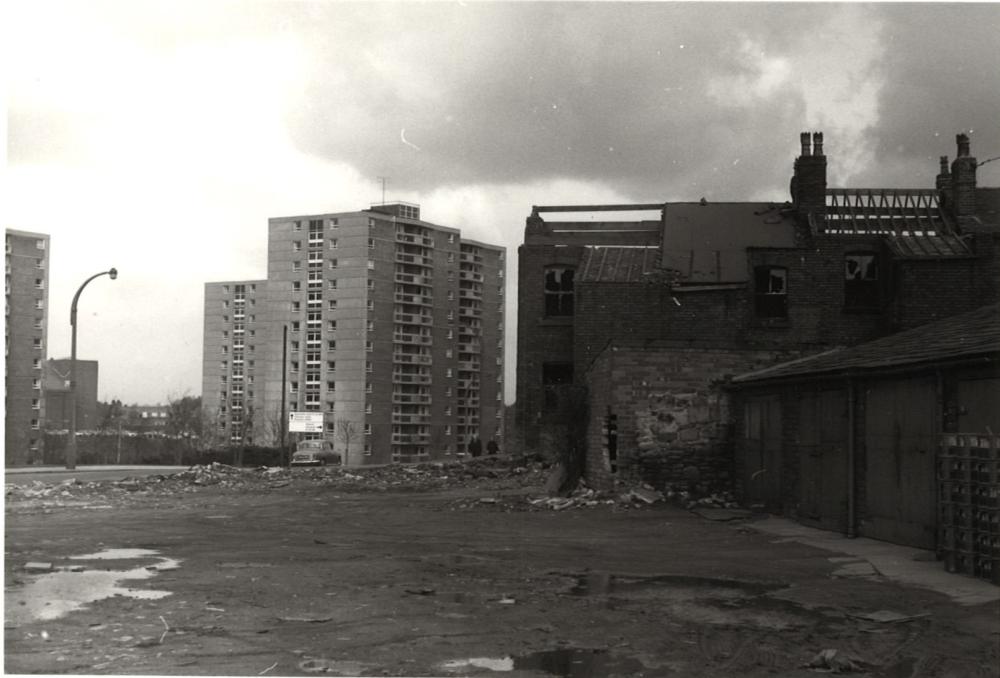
point(417, 299)
point(415, 339)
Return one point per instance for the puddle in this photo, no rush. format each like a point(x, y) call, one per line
point(672, 586)
point(58, 593)
point(565, 662)
point(702, 600)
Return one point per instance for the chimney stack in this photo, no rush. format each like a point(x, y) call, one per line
point(809, 180)
point(963, 180)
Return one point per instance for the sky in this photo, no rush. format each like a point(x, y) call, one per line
point(159, 137)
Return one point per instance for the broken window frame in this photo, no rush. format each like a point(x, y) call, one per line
point(771, 298)
point(558, 289)
point(862, 284)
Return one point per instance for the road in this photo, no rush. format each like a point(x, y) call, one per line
point(299, 578)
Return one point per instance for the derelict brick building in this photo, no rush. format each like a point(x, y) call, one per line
point(654, 316)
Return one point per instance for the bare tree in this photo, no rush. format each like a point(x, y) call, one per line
point(346, 432)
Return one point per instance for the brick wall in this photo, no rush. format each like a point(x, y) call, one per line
point(672, 411)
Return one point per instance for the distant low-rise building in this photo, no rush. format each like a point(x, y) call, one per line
point(57, 396)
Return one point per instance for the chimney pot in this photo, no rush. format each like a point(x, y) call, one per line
point(804, 138)
point(963, 145)
point(944, 165)
point(817, 143)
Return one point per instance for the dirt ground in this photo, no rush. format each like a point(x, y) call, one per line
point(314, 572)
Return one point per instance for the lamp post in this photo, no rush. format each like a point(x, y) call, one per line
point(71, 441)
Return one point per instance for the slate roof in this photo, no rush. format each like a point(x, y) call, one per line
point(618, 264)
point(707, 242)
point(976, 333)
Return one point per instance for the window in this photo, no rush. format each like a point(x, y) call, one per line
point(369, 368)
point(371, 243)
point(331, 325)
point(448, 353)
point(368, 408)
point(296, 306)
point(331, 304)
point(451, 257)
point(296, 265)
point(331, 284)
point(334, 223)
point(368, 387)
point(861, 281)
point(333, 263)
point(368, 429)
point(296, 286)
point(558, 291)
point(39, 284)
point(297, 226)
point(39, 304)
point(371, 264)
point(295, 325)
point(770, 292)
point(369, 347)
point(296, 245)
point(40, 244)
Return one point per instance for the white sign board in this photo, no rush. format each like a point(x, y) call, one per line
point(305, 422)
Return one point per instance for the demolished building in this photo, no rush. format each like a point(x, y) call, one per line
point(650, 319)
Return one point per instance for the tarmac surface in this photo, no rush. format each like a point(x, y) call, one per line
point(327, 572)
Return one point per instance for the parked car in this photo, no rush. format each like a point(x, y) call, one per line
point(315, 453)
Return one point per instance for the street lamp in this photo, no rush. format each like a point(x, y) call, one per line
point(71, 441)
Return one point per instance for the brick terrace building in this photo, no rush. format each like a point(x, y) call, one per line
point(652, 316)
point(394, 326)
point(25, 337)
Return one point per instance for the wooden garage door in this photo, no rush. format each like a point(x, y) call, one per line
point(822, 445)
point(900, 428)
point(762, 452)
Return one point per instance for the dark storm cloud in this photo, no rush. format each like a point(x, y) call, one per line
point(944, 66)
point(634, 96)
point(514, 93)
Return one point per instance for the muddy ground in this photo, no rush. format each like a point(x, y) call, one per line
point(442, 572)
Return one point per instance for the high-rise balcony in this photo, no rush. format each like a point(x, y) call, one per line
point(416, 299)
point(470, 312)
point(413, 318)
point(411, 279)
point(418, 379)
point(469, 293)
point(414, 339)
point(414, 239)
point(422, 419)
point(411, 399)
point(411, 438)
point(469, 365)
point(412, 359)
point(414, 259)
point(465, 274)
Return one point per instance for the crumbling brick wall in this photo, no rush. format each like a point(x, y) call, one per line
point(671, 409)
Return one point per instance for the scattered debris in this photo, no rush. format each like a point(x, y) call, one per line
point(834, 661)
point(421, 592)
point(889, 616)
point(308, 619)
point(722, 514)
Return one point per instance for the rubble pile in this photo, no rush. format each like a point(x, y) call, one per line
point(696, 498)
point(491, 473)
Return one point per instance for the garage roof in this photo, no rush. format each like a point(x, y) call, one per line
point(976, 333)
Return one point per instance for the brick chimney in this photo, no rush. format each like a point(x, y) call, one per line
point(809, 179)
point(963, 180)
